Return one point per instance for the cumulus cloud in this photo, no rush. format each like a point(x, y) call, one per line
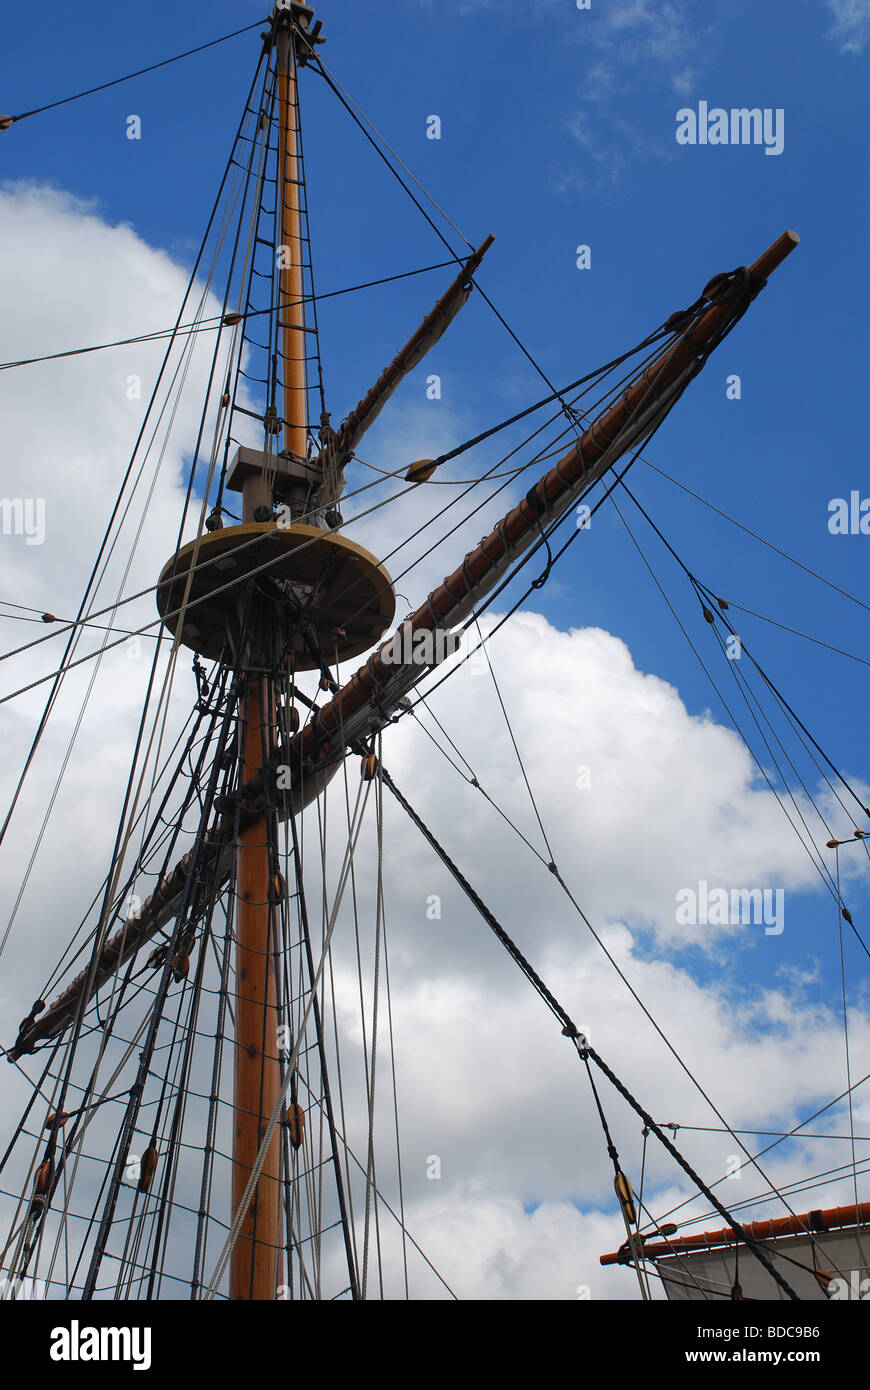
point(69, 430)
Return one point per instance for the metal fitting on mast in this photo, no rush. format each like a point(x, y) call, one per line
point(292, 14)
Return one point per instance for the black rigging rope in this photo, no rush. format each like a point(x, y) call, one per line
point(726, 516)
point(706, 595)
point(339, 93)
point(523, 561)
point(703, 591)
point(116, 81)
point(777, 1193)
point(818, 864)
point(739, 1230)
point(570, 1030)
point(203, 565)
point(58, 676)
point(210, 324)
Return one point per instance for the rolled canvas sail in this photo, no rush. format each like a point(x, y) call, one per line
point(710, 1274)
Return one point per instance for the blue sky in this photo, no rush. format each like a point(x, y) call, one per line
point(558, 129)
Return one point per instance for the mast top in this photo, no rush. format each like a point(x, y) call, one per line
point(294, 8)
point(292, 14)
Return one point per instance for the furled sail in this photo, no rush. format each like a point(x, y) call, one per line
point(338, 446)
point(824, 1255)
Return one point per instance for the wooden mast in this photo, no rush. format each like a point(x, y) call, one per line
point(256, 1266)
point(291, 309)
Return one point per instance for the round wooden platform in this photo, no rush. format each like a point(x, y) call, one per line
point(354, 593)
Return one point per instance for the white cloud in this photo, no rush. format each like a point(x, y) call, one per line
point(665, 30)
point(648, 35)
point(637, 45)
point(69, 429)
point(497, 1250)
point(684, 81)
point(851, 24)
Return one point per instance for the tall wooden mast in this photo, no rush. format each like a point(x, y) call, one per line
point(256, 1266)
point(291, 309)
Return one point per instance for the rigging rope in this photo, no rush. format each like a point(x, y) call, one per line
point(570, 1030)
point(702, 589)
point(57, 676)
point(116, 81)
point(209, 324)
point(755, 536)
